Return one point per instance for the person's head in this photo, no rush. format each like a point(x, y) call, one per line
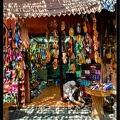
point(72, 84)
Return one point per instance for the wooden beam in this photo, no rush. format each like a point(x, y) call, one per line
point(61, 71)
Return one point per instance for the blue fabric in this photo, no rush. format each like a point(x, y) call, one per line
point(108, 4)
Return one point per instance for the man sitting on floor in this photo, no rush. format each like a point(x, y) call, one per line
point(69, 89)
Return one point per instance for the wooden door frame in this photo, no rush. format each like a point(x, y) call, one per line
point(61, 71)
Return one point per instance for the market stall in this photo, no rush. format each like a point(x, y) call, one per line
point(80, 52)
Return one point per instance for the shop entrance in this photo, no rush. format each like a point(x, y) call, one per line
point(44, 76)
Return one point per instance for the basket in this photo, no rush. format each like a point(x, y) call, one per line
point(98, 93)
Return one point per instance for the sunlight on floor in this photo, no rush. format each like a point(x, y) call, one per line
point(50, 96)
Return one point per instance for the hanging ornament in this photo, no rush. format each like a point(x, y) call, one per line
point(80, 58)
point(79, 38)
point(63, 36)
point(64, 57)
point(47, 32)
point(73, 68)
point(88, 60)
point(83, 59)
point(78, 28)
point(88, 27)
point(72, 57)
point(55, 53)
point(84, 27)
point(96, 45)
point(48, 55)
point(55, 43)
point(94, 21)
point(55, 33)
point(55, 63)
point(97, 57)
point(71, 32)
point(62, 25)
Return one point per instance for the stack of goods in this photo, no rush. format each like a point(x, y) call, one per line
point(90, 73)
point(37, 88)
point(99, 89)
point(83, 81)
point(102, 86)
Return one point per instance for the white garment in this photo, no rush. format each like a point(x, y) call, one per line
point(68, 91)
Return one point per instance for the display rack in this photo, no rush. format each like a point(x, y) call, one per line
point(13, 69)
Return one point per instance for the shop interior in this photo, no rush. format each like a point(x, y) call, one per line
point(41, 54)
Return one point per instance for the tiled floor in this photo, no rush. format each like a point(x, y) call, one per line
point(53, 113)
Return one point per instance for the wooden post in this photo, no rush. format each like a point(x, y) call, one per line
point(6, 34)
point(61, 72)
point(27, 87)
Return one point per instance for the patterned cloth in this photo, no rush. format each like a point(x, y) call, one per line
point(109, 5)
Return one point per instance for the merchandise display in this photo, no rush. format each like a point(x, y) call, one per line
point(13, 70)
point(37, 62)
point(45, 47)
point(10, 80)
